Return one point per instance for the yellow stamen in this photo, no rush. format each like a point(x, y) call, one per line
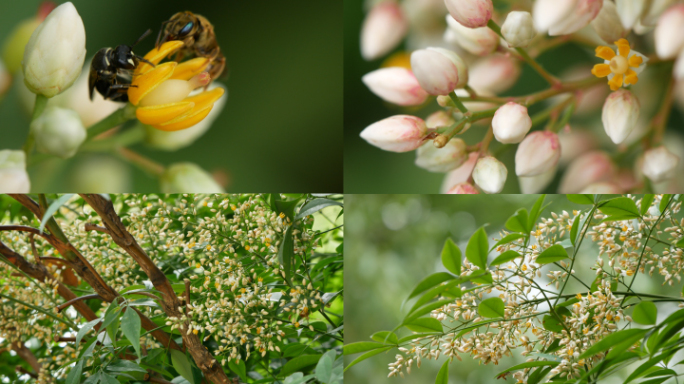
point(615, 83)
point(623, 47)
point(631, 78)
point(635, 61)
point(605, 53)
point(601, 70)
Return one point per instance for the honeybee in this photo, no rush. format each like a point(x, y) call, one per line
point(198, 35)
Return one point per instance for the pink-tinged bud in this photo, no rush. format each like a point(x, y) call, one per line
point(490, 174)
point(518, 29)
point(669, 33)
point(445, 159)
point(563, 17)
point(494, 74)
point(538, 153)
point(603, 187)
point(607, 23)
point(511, 123)
point(395, 85)
point(659, 164)
point(401, 133)
point(463, 189)
point(653, 12)
point(575, 142)
point(460, 174)
point(383, 29)
point(439, 119)
point(620, 114)
point(471, 13)
point(478, 41)
point(587, 169)
point(630, 11)
point(439, 71)
point(536, 184)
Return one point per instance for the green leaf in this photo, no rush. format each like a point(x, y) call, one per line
point(552, 324)
point(443, 374)
point(581, 199)
point(538, 375)
point(108, 379)
point(529, 364)
point(518, 222)
point(361, 346)
point(680, 243)
point(75, 373)
point(663, 202)
point(182, 365)
point(645, 313)
point(506, 257)
point(84, 329)
point(508, 239)
point(492, 307)
point(385, 337)
point(552, 254)
point(315, 205)
point(286, 253)
point(425, 324)
point(429, 282)
point(285, 206)
point(299, 363)
point(612, 340)
point(130, 325)
point(125, 366)
point(622, 207)
point(324, 368)
point(478, 248)
point(52, 209)
point(535, 213)
point(444, 289)
point(646, 202)
point(575, 228)
point(367, 355)
point(240, 369)
point(451, 257)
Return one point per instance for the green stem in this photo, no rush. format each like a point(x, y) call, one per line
point(38, 108)
point(115, 119)
point(458, 103)
point(579, 244)
point(123, 139)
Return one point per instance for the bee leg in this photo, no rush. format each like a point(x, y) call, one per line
point(117, 88)
point(159, 41)
point(144, 60)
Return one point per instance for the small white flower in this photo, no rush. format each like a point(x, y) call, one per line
point(511, 123)
point(668, 34)
point(518, 29)
point(58, 131)
point(537, 153)
point(659, 164)
point(490, 174)
point(401, 133)
point(438, 70)
point(444, 159)
point(607, 23)
point(471, 13)
point(563, 17)
point(13, 176)
point(396, 85)
point(620, 115)
point(383, 29)
point(478, 41)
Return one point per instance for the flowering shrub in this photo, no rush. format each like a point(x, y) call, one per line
point(468, 55)
point(181, 288)
point(519, 302)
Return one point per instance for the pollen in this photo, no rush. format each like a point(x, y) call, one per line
point(622, 67)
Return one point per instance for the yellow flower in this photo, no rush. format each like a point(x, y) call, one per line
point(161, 92)
point(621, 69)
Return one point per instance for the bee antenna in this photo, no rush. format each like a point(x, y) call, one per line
point(144, 35)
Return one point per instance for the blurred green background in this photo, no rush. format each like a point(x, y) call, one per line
point(368, 169)
point(394, 241)
point(281, 128)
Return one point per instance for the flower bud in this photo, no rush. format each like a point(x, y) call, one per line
point(101, 174)
point(441, 118)
point(678, 72)
point(401, 133)
point(383, 29)
point(188, 178)
point(493, 74)
point(563, 17)
point(395, 85)
point(58, 132)
point(659, 164)
point(490, 174)
point(54, 55)
point(607, 23)
point(603, 187)
point(575, 142)
point(478, 41)
point(536, 184)
point(630, 11)
point(620, 114)
point(460, 174)
point(669, 33)
point(463, 189)
point(587, 169)
point(537, 153)
point(5, 80)
point(511, 123)
point(439, 71)
point(653, 11)
point(471, 13)
point(444, 159)
point(13, 176)
point(518, 29)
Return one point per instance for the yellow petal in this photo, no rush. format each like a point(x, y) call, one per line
point(204, 99)
point(203, 104)
point(186, 122)
point(623, 47)
point(157, 114)
point(187, 69)
point(615, 83)
point(635, 61)
point(146, 82)
point(631, 77)
point(157, 55)
point(606, 53)
point(601, 70)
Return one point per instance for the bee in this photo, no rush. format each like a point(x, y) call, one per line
point(111, 70)
point(198, 35)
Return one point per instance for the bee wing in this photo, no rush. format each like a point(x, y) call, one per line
point(91, 82)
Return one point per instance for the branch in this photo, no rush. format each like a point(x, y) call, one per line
point(61, 307)
point(27, 355)
point(93, 227)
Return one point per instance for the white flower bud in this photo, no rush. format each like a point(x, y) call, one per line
point(188, 178)
point(58, 131)
point(603, 187)
point(659, 164)
point(620, 114)
point(511, 123)
point(383, 29)
point(463, 189)
point(439, 71)
point(537, 153)
point(587, 169)
point(13, 176)
point(518, 29)
point(396, 85)
point(401, 133)
point(630, 11)
point(669, 33)
point(490, 174)
point(536, 184)
point(101, 174)
point(54, 55)
point(563, 17)
point(607, 23)
point(460, 174)
point(478, 41)
point(471, 13)
point(575, 142)
point(653, 12)
point(493, 74)
point(678, 72)
point(440, 118)
point(444, 159)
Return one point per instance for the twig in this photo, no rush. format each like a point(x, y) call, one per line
point(61, 307)
point(92, 227)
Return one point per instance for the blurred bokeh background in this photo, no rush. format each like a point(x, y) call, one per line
point(394, 241)
point(281, 128)
point(371, 170)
